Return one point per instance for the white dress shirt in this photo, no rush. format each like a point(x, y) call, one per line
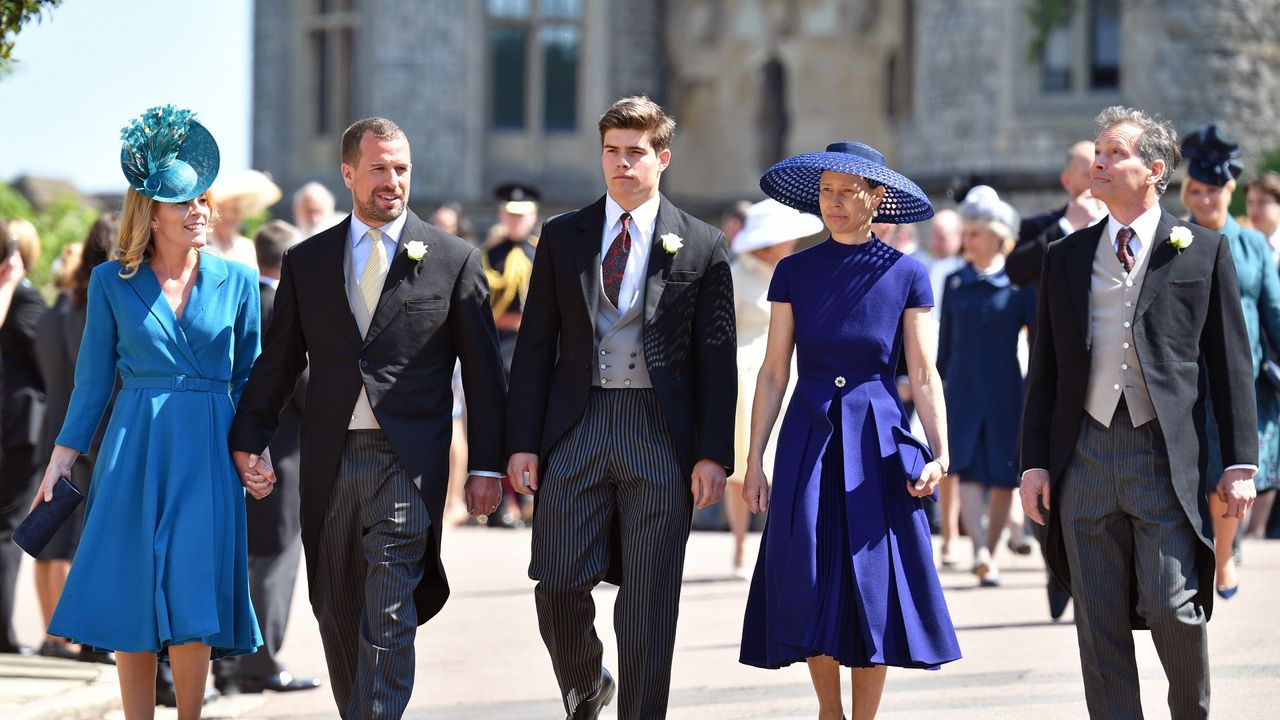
point(1144, 232)
point(643, 220)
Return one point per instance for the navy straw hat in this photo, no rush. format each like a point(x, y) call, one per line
point(1211, 156)
point(794, 182)
point(167, 155)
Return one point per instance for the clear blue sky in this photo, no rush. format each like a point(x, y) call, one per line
point(90, 65)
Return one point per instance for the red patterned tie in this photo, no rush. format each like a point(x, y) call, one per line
point(1123, 253)
point(614, 265)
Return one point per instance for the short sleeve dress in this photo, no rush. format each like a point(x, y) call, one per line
point(846, 561)
point(163, 559)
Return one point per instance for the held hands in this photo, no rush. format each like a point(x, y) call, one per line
point(60, 462)
point(755, 489)
point(522, 468)
point(483, 494)
point(1236, 489)
point(256, 473)
point(708, 483)
point(1034, 490)
point(929, 480)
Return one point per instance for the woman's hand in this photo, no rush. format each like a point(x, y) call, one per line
point(755, 489)
point(60, 462)
point(929, 480)
point(256, 473)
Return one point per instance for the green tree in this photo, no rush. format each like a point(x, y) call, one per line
point(13, 15)
point(64, 222)
point(1269, 162)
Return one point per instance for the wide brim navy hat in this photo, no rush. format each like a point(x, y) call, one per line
point(168, 156)
point(1211, 156)
point(795, 181)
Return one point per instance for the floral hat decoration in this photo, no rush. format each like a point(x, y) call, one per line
point(794, 182)
point(167, 155)
point(1211, 156)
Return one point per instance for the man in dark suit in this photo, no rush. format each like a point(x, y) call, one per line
point(275, 540)
point(22, 401)
point(379, 308)
point(1136, 313)
point(1037, 231)
point(621, 413)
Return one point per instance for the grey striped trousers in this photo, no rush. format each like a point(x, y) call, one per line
point(371, 559)
point(617, 465)
point(1125, 532)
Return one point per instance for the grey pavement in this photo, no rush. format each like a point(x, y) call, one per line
point(482, 656)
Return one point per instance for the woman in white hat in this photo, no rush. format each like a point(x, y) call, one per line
point(239, 196)
point(769, 235)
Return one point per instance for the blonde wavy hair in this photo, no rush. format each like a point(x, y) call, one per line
point(135, 244)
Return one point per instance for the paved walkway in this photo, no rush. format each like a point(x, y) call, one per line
point(483, 658)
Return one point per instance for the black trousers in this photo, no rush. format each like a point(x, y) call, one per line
point(19, 477)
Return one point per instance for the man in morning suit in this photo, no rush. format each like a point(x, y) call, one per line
point(378, 308)
point(621, 413)
point(275, 541)
point(1136, 312)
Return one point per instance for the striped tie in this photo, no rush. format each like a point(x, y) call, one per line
point(375, 271)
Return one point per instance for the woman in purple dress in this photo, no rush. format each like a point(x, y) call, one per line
point(845, 574)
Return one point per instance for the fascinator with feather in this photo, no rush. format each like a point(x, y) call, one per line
point(167, 155)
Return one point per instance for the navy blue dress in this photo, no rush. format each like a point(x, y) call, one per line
point(978, 358)
point(846, 563)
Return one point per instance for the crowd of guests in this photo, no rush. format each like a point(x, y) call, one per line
point(802, 320)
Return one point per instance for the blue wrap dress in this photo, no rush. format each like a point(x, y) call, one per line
point(846, 561)
point(163, 557)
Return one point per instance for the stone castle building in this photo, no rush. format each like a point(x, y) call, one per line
point(950, 90)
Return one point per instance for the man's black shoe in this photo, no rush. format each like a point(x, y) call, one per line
point(590, 708)
point(89, 655)
point(168, 697)
point(283, 681)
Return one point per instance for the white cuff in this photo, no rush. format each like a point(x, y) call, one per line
point(484, 473)
point(1251, 468)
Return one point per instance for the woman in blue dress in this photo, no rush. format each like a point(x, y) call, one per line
point(983, 316)
point(1211, 180)
point(162, 570)
point(845, 574)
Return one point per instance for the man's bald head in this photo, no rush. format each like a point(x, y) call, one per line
point(1075, 169)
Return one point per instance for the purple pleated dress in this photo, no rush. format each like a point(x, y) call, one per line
point(846, 563)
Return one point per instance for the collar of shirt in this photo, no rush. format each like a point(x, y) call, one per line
point(1144, 230)
point(360, 250)
point(643, 220)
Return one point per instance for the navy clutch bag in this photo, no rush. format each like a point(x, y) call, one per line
point(913, 454)
point(39, 527)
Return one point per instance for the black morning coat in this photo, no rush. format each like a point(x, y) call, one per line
point(431, 312)
point(689, 336)
point(1188, 327)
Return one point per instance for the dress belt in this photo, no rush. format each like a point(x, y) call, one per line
point(177, 383)
point(840, 380)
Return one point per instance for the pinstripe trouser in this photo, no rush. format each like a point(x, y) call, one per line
point(374, 537)
point(618, 464)
point(1125, 531)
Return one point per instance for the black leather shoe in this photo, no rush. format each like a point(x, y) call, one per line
point(504, 518)
point(1058, 599)
point(89, 655)
point(168, 697)
point(58, 650)
point(283, 681)
point(590, 708)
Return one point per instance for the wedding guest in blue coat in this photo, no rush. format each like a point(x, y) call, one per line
point(983, 314)
point(161, 572)
point(1211, 178)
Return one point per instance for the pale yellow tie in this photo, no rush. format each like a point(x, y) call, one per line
point(375, 271)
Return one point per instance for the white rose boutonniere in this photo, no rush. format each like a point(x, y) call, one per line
point(1180, 238)
point(672, 243)
point(416, 250)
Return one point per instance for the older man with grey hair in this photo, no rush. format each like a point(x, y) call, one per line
point(313, 209)
point(1133, 309)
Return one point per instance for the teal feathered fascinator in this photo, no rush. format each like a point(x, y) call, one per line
point(167, 155)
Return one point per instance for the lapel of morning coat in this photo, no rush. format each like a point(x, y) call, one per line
point(1160, 260)
point(331, 258)
point(660, 260)
point(401, 275)
point(1079, 254)
point(586, 252)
